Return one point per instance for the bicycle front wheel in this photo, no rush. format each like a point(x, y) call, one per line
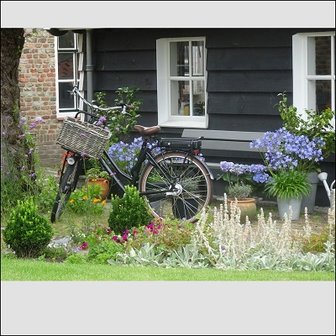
point(67, 185)
point(178, 186)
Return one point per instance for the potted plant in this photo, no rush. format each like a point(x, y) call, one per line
point(241, 179)
point(96, 176)
point(288, 186)
point(316, 125)
point(288, 156)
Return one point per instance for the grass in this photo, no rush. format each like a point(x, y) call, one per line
point(35, 270)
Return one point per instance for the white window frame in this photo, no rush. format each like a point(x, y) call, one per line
point(165, 118)
point(302, 93)
point(62, 113)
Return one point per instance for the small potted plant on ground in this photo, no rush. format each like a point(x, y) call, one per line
point(289, 187)
point(241, 179)
point(96, 176)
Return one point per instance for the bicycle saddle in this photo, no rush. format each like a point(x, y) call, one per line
point(147, 130)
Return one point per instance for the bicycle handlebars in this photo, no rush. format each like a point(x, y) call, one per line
point(75, 91)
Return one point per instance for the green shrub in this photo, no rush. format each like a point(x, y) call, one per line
point(104, 250)
point(128, 211)
point(26, 232)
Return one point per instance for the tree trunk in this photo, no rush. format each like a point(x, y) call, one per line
point(14, 147)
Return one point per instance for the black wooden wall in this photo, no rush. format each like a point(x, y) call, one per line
point(246, 68)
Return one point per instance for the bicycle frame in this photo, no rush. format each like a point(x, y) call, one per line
point(106, 161)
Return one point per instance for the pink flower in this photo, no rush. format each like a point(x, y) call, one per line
point(84, 246)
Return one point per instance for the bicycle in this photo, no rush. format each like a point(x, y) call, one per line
point(176, 183)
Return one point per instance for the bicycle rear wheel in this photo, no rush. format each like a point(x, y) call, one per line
point(188, 181)
point(67, 185)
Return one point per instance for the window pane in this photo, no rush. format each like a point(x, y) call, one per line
point(323, 95)
point(319, 94)
point(66, 100)
point(65, 66)
point(197, 58)
point(66, 40)
point(319, 53)
point(180, 98)
point(179, 58)
point(198, 98)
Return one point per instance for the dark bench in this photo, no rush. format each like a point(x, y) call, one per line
point(218, 145)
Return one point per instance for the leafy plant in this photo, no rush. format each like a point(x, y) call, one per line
point(58, 254)
point(102, 251)
point(94, 173)
point(287, 184)
point(317, 124)
point(129, 211)
point(87, 200)
point(26, 232)
point(118, 123)
point(239, 191)
point(316, 242)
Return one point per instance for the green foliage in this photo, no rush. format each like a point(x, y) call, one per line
point(316, 125)
point(87, 200)
point(76, 258)
point(316, 242)
point(46, 190)
point(287, 184)
point(55, 254)
point(102, 251)
point(169, 235)
point(120, 124)
point(239, 190)
point(94, 173)
point(27, 233)
point(129, 211)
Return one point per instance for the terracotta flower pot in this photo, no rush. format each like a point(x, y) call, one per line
point(247, 206)
point(103, 183)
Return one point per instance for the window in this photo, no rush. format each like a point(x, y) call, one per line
point(181, 82)
point(314, 71)
point(69, 64)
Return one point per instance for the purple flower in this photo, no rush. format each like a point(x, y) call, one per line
point(283, 150)
point(101, 120)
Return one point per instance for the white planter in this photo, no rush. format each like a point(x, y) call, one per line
point(285, 204)
point(309, 200)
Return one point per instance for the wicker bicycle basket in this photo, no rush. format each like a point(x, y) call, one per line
point(83, 138)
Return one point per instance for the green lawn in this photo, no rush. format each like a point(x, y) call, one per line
point(31, 270)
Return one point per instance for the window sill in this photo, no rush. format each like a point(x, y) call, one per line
point(183, 124)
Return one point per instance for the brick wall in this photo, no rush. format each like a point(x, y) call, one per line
point(38, 93)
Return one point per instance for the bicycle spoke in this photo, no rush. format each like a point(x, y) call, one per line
point(189, 183)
